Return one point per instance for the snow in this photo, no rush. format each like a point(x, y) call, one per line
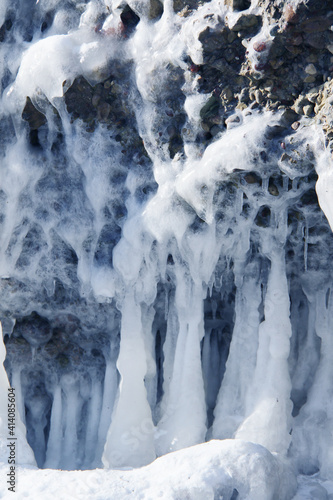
point(206, 471)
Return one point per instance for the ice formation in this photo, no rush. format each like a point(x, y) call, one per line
point(157, 294)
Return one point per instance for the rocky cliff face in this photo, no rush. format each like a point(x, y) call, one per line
point(161, 179)
point(274, 56)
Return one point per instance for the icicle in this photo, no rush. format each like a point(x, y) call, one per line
point(285, 181)
point(150, 377)
point(231, 405)
point(16, 382)
point(306, 238)
point(214, 308)
point(55, 441)
point(38, 408)
point(184, 412)
point(109, 396)
point(265, 181)
point(72, 406)
point(169, 349)
point(24, 453)
point(94, 414)
point(312, 436)
point(268, 407)
point(308, 356)
point(130, 437)
point(206, 360)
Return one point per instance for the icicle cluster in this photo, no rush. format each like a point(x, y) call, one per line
point(155, 294)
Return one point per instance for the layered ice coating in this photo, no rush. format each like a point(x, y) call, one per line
point(158, 291)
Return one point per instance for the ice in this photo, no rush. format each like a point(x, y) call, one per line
point(233, 398)
point(159, 287)
point(183, 419)
point(25, 456)
point(209, 470)
point(55, 438)
point(313, 426)
point(130, 440)
point(324, 185)
point(269, 423)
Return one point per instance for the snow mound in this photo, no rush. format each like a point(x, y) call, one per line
point(228, 469)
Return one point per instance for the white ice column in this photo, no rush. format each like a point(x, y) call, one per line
point(169, 349)
point(306, 354)
point(54, 444)
point(94, 414)
point(109, 396)
point(313, 433)
point(269, 407)
point(183, 421)
point(230, 409)
point(71, 414)
point(130, 439)
point(24, 454)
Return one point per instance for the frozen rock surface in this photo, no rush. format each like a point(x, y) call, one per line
point(165, 238)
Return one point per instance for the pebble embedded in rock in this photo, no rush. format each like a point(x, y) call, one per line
point(295, 125)
point(308, 110)
point(310, 69)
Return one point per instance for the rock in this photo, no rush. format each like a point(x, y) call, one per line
point(244, 95)
point(312, 96)
point(232, 120)
point(247, 23)
point(316, 25)
point(95, 100)
point(211, 108)
point(263, 217)
point(216, 129)
point(103, 111)
point(129, 19)
point(300, 103)
point(238, 4)
point(285, 157)
point(272, 188)
point(34, 329)
point(241, 106)
point(108, 84)
point(252, 178)
point(189, 5)
point(274, 131)
point(155, 10)
point(316, 40)
point(260, 46)
point(308, 110)
point(309, 79)
point(31, 115)
point(213, 40)
point(290, 15)
point(310, 69)
point(295, 125)
point(258, 96)
point(276, 63)
point(232, 37)
point(312, 58)
point(227, 94)
point(288, 117)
